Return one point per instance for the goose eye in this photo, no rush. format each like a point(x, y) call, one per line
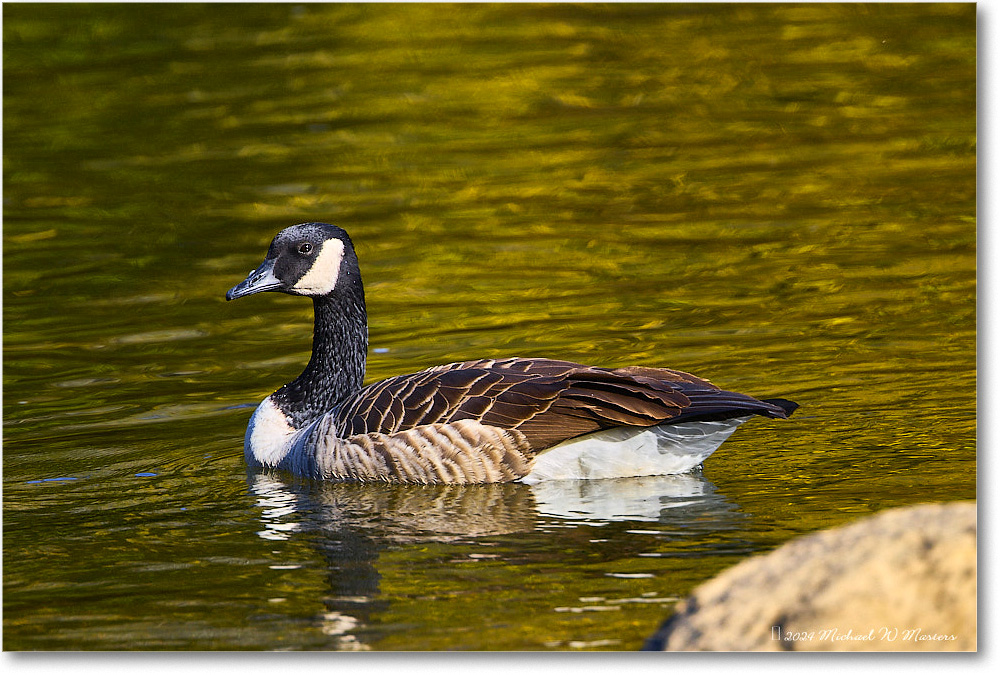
point(305, 248)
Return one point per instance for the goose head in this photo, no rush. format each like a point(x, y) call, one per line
point(311, 259)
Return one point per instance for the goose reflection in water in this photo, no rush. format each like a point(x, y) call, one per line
point(413, 513)
point(351, 524)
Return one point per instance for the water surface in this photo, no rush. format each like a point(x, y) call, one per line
point(780, 198)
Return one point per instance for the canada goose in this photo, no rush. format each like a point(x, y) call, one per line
point(485, 421)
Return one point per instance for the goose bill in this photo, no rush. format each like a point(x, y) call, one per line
point(260, 280)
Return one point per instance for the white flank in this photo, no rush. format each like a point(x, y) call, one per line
point(268, 436)
point(633, 451)
point(322, 276)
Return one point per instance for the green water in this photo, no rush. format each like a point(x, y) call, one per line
point(780, 198)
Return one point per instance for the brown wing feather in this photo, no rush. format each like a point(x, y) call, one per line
point(643, 373)
point(548, 401)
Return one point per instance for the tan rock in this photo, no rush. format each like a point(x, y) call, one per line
point(901, 580)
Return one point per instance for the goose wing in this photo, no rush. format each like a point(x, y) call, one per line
point(548, 401)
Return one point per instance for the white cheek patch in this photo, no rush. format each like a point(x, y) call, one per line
point(322, 276)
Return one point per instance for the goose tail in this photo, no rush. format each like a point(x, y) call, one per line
point(787, 406)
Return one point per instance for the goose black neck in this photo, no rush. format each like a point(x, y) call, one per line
point(336, 369)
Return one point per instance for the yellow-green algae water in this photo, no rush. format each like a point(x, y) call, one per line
point(780, 198)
